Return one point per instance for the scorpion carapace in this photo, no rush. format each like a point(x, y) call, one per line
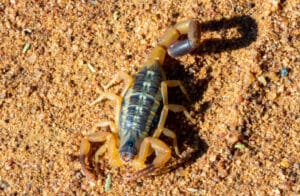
point(142, 109)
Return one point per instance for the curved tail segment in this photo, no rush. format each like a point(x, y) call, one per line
point(172, 44)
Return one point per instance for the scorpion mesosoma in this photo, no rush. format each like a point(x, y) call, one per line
point(142, 109)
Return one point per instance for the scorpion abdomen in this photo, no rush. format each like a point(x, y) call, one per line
point(141, 108)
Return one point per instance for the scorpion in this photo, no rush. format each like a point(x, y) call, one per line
point(142, 108)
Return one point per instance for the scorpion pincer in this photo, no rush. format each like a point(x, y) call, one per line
point(142, 108)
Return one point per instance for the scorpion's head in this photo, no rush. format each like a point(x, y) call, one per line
point(128, 150)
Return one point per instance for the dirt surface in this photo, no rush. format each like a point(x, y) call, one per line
point(243, 80)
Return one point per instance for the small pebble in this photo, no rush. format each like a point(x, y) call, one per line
point(91, 67)
point(284, 72)
point(250, 5)
point(262, 80)
point(296, 165)
point(284, 163)
point(3, 185)
point(192, 190)
point(2, 95)
point(32, 58)
point(116, 15)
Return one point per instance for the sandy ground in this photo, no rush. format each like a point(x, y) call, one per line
point(243, 79)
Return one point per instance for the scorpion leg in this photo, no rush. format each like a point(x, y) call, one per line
point(128, 80)
point(181, 47)
point(169, 133)
point(172, 107)
point(179, 108)
point(172, 83)
point(162, 152)
point(110, 144)
point(112, 97)
point(162, 121)
point(106, 123)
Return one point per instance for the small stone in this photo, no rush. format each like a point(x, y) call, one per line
point(3, 185)
point(296, 165)
point(192, 190)
point(250, 5)
point(262, 80)
point(272, 96)
point(275, 4)
point(212, 157)
point(276, 191)
point(284, 163)
point(222, 171)
point(116, 15)
point(284, 72)
point(2, 95)
point(31, 58)
point(192, 71)
point(249, 79)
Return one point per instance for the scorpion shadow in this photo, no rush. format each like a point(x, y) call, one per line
point(246, 27)
point(186, 132)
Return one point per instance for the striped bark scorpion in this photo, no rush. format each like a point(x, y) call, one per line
point(141, 108)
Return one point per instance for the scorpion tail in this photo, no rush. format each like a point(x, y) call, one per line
point(143, 172)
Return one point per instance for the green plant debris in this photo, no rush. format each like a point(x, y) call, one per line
point(26, 47)
point(107, 183)
point(239, 146)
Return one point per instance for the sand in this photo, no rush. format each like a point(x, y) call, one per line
point(243, 80)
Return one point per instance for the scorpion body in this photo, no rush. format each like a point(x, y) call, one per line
point(142, 109)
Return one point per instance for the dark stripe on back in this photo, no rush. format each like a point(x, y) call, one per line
point(139, 100)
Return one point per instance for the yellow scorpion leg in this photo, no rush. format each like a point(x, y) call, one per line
point(174, 108)
point(112, 97)
point(128, 80)
point(172, 83)
point(169, 133)
point(162, 121)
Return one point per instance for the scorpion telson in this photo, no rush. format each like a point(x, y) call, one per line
point(142, 109)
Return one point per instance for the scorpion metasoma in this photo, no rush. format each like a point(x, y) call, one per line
point(142, 108)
